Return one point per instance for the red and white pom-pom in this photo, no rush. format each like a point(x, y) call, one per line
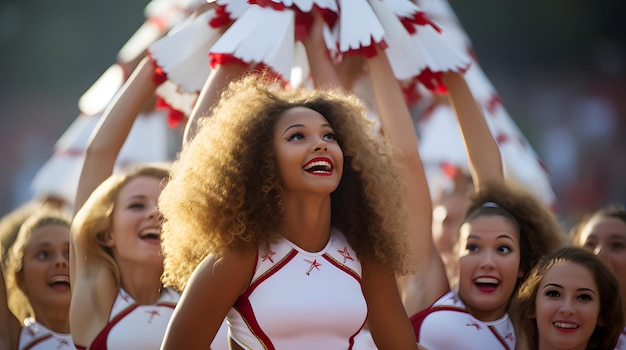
point(146, 142)
point(97, 97)
point(358, 29)
point(261, 36)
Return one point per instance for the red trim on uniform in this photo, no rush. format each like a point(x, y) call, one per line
point(418, 318)
point(36, 341)
point(342, 267)
point(499, 337)
point(100, 342)
point(244, 307)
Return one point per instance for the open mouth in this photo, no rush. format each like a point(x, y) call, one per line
point(487, 284)
point(319, 166)
point(60, 282)
point(151, 235)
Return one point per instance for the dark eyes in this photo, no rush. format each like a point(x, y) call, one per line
point(136, 206)
point(556, 294)
point(299, 136)
point(501, 249)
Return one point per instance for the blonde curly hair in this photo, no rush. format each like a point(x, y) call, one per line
point(225, 191)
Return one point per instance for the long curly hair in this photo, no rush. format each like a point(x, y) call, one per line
point(225, 190)
point(44, 216)
point(93, 222)
point(610, 323)
point(539, 231)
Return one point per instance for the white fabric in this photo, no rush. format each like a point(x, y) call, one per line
point(261, 35)
point(137, 326)
point(301, 300)
point(35, 336)
point(450, 317)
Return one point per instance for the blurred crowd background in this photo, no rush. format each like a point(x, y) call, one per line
point(559, 66)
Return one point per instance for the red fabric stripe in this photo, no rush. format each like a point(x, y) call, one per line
point(418, 318)
point(174, 116)
point(221, 18)
point(159, 76)
point(278, 6)
point(244, 307)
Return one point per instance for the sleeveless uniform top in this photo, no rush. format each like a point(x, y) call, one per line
point(134, 326)
point(448, 325)
point(35, 336)
point(301, 300)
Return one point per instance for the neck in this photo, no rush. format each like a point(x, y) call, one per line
point(141, 282)
point(307, 221)
point(55, 318)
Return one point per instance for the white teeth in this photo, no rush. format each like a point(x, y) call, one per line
point(324, 164)
point(488, 280)
point(149, 232)
point(57, 279)
point(565, 325)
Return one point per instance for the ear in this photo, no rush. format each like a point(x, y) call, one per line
point(521, 273)
point(107, 239)
point(532, 315)
point(600, 322)
point(19, 279)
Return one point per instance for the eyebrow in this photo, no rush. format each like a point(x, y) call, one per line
point(499, 236)
point(560, 286)
point(302, 125)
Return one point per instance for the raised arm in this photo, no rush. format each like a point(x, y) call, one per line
point(421, 289)
point(112, 130)
point(482, 150)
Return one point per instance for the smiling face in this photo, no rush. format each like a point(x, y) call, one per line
point(308, 155)
point(135, 233)
point(605, 236)
point(567, 306)
point(489, 265)
point(44, 277)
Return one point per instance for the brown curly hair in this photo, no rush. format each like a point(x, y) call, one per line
point(92, 223)
point(611, 320)
point(539, 231)
point(225, 191)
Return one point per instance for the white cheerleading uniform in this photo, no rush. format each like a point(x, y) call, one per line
point(35, 336)
point(135, 326)
point(448, 325)
point(301, 300)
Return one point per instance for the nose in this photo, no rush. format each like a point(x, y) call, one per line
point(321, 146)
point(61, 261)
point(566, 307)
point(153, 213)
point(488, 262)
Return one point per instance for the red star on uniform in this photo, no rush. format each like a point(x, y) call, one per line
point(346, 254)
point(124, 296)
point(474, 324)
point(314, 265)
point(62, 343)
point(152, 313)
point(509, 336)
point(269, 256)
